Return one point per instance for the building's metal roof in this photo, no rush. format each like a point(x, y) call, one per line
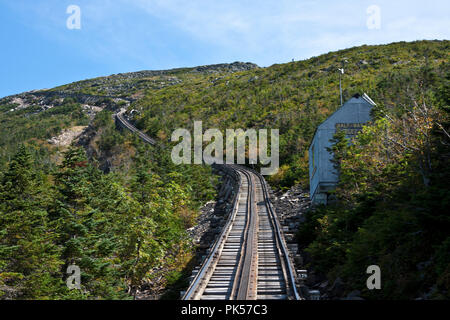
point(367, 98)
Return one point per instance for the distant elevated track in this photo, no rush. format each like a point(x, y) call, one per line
point(127, 125)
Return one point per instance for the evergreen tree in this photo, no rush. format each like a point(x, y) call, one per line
point(29, 259)
point(85, 231)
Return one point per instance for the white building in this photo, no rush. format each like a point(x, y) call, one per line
point(350, 117)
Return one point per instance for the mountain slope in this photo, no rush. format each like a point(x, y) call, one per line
point(293, 97)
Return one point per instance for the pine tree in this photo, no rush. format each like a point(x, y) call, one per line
point(90, 217)
point(339, 147)
point(29, 259)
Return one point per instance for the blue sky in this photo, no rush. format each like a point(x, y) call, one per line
point(39, 51)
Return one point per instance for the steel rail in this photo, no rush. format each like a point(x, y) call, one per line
point(244, 284)
point(280, 240)
point(129, 126)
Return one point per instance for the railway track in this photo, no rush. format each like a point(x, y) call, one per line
point(124, 123)
point(249, 260)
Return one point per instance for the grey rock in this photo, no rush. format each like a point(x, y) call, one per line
point(337, 289)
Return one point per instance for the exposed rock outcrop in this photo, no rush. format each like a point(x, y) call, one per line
point(67, 136)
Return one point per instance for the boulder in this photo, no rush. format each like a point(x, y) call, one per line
point(337, 289)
